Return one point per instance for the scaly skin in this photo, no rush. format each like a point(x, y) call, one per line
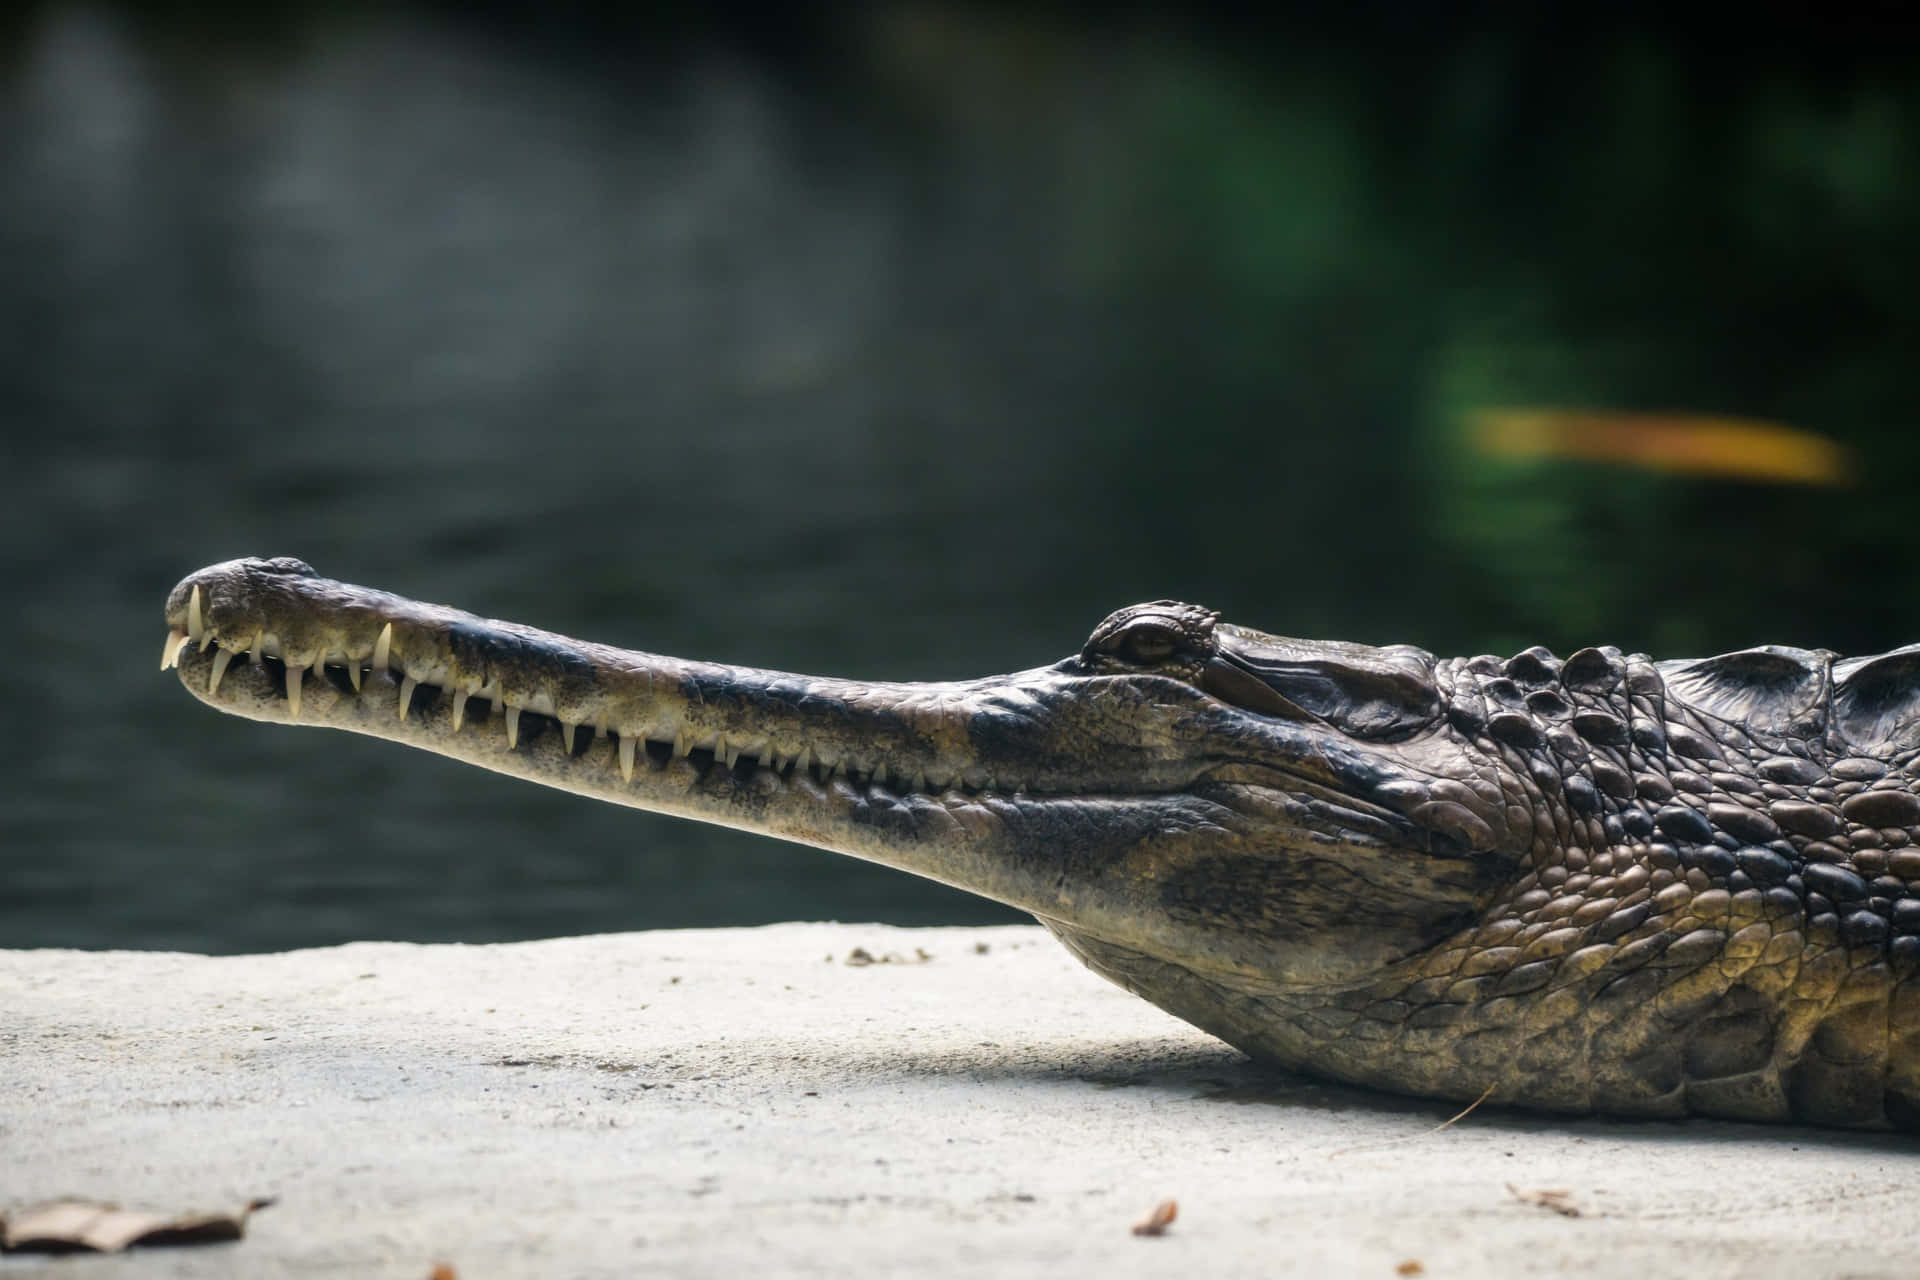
point(1601, 884)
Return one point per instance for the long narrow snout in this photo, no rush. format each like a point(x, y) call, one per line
point(929, 778)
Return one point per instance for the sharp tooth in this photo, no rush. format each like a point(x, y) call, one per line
point(407, 685)
point(682, 743)
point(258, 648)
point(918, 783)
point(626, 756)
point(353, 673)
point(170, 651)
point(383, 647)
point(720, 750)
point(494, 700)
point(293, 690)
point(319, 664)
point(566, 735)
point(221, 657)
point(459, 708)
point(771, 759)
point(600, 727)
point(513, 727)
point(804, 761)
point(196, 625)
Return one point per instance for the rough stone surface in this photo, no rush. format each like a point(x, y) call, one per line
point(735, 1102)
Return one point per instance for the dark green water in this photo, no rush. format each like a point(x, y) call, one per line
point(906, 344)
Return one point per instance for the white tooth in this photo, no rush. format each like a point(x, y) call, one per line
point(682, 744)
point(600, 727)
point(918, 783)
point(626, 756)
point(513, 727)
point(196, 625)
point(459, 708)
point(494, 699)
point(258, 648)
point(319, 664)
point(293, 690)
point(771, 759)
point(803, 761)
point(353, 673)
point(720, 749)
point(566, 735)
point(407, 685)
point(221, 657)
point(170, 651)
point(383, 647)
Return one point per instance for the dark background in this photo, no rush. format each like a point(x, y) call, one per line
point(899, 341)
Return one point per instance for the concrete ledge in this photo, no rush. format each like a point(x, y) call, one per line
point(733, 1102)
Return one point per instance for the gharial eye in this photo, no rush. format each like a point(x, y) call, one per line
point(1146, 643)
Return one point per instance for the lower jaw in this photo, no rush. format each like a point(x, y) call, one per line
point(957, 836)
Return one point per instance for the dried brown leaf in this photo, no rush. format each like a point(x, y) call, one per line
point(860, 957)
point(67, 1226)
point(1157, 1222)
point(1558, 1199)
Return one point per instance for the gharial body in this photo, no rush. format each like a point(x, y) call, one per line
point(1598, 884)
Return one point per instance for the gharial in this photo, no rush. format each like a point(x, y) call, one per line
point(1593, 884)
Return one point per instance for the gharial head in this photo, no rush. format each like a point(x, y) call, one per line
point(1241, 806)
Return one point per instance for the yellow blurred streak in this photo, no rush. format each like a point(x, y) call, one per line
point(1698, 444)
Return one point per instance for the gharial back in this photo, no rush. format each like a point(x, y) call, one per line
point(1717, 911)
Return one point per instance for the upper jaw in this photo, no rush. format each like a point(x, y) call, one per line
point(997, 735)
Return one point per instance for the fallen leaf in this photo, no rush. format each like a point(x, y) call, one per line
point(1558, 1199)
point(1411, 1267)
point(1157, 1222)
point(860, 957)
point(66, 1226)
